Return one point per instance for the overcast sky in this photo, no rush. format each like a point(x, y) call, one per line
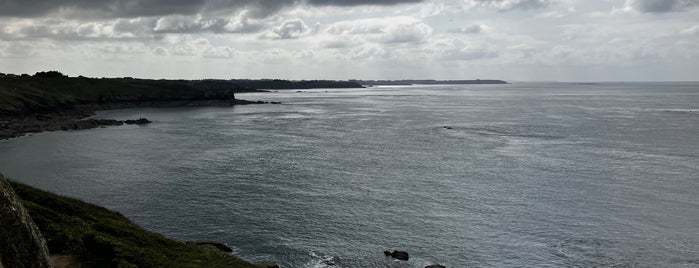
point(552, 40)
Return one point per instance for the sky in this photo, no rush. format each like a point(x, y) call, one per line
point(514, 40)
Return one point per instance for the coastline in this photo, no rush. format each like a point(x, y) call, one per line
point(74, 118)
point(69, 246)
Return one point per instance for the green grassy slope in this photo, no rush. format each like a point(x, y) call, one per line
point(104, 238)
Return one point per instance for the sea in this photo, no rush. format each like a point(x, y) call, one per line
point(516, 175)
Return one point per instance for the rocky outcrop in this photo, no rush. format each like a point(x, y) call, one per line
point(397, 254)
point(267, 264)
point(435, 266)
point(140, 121)
point(22, 243)
point(213, 245)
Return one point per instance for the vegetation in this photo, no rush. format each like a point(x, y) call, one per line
point(103, 238)
point(51, 91)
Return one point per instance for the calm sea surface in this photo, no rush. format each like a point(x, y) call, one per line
point(525, 175)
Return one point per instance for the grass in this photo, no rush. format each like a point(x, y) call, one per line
point(103, 238)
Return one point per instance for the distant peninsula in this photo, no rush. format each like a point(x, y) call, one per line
point(426, 82)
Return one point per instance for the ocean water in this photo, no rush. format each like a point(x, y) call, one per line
point(521, 175)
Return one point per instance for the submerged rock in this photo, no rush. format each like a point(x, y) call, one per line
point(397, 254)
point(21, 243)
point(435, 266)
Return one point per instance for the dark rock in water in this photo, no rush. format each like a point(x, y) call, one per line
point(435, 266)
point(387, 253)
point(275, 102)
point(140, 121)
point(267, 264)
point(448, 127)
point(216, 245)
point(399, 255)
point(21, 243)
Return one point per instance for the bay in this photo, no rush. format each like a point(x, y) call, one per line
point(520, 175)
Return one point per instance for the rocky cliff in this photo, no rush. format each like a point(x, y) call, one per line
point(21, 243)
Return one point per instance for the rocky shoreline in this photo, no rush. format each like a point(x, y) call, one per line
point(75, 118)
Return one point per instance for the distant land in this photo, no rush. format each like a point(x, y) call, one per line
point(425, 82)
point(50, 101)
point(52, 90)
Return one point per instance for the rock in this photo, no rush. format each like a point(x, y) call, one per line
point(435, 266)
point(216, 245)
point(448, 127)
point(387, 253)
point(140, 121)
point(398, 255)
point(22, 243)
point(267, 264)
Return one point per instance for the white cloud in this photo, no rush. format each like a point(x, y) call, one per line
point(392, 30)
point(509, 5)
point(289, 29)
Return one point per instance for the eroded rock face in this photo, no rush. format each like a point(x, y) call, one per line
point(22, 243)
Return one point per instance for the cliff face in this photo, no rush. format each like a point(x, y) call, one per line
point(21, 243)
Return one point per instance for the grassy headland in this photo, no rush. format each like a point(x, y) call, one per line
point(99, 237)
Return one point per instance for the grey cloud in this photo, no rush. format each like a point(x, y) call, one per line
point(661, 6)
point(473, 29)
point(146, 8)
point(361, 2)
point(509, 5)
point(196, 24)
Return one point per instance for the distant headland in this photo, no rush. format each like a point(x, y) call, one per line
point(426, 82)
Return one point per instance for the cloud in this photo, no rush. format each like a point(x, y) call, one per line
point(391, 30)
point(129, 28)
point(694, 30)
point(147, 8)
point(509, 5)
point(220, 52)
point(289, 29)
point(660, 6)
point(473, 29)
point(361, 2)
point(242, 23)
